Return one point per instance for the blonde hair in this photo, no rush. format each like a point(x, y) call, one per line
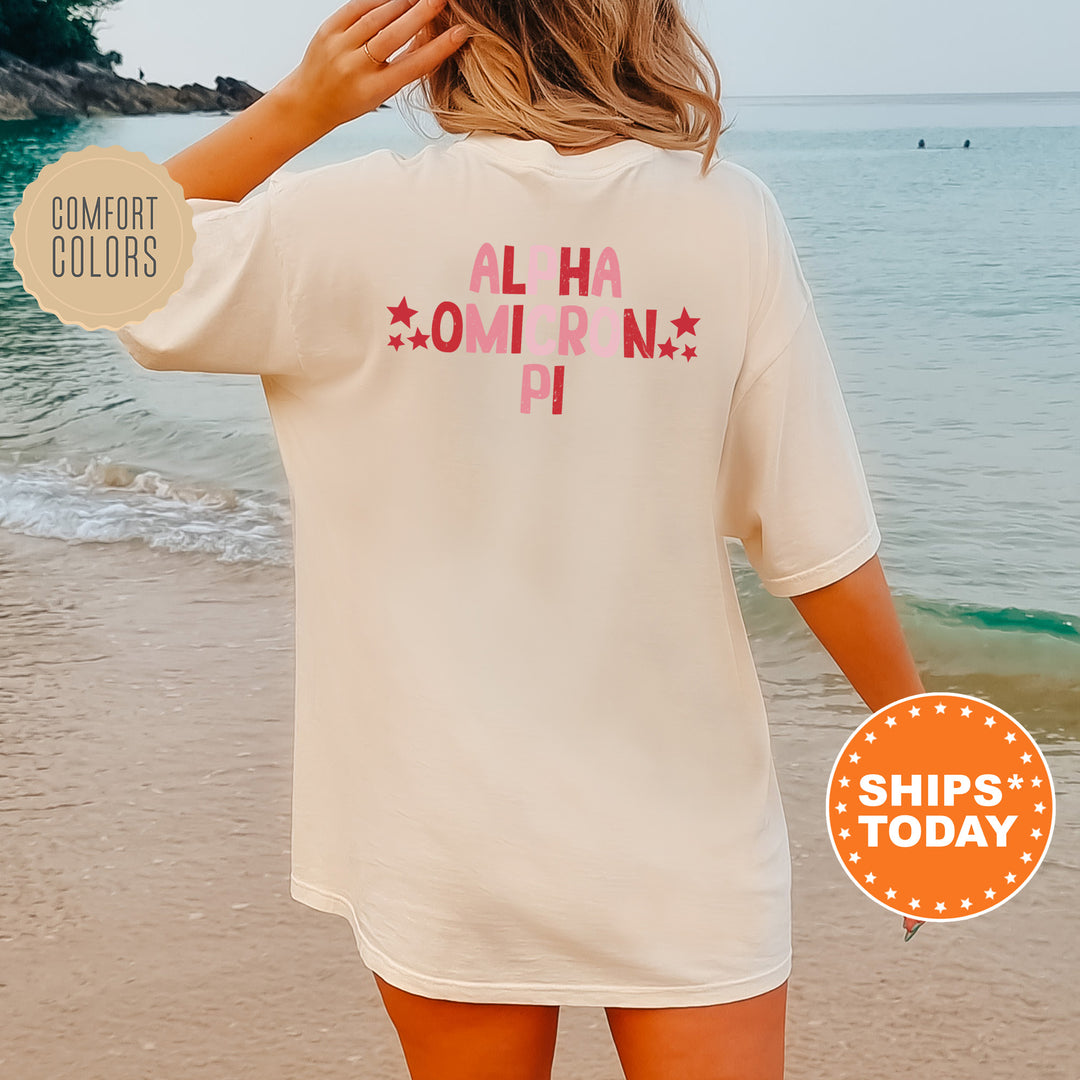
point(577, 72)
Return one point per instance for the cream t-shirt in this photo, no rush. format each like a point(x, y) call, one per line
point(520, 399)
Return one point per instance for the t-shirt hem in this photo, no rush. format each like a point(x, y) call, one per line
point(533, 993)
point(829, 572)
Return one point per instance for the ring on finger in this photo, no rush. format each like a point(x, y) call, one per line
point(378, 63)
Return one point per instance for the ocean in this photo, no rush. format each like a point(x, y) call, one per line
point(947, 281)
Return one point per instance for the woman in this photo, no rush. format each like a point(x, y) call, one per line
point(523, 386)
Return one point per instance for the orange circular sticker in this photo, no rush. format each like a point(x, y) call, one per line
point(940, 807)
point(103, 237)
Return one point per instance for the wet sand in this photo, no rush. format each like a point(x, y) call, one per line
point(146, 927)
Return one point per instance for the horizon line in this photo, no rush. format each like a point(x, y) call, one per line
point(922, 94)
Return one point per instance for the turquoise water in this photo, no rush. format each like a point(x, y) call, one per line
point(948, 285)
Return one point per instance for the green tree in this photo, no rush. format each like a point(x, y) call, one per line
point(49, 32)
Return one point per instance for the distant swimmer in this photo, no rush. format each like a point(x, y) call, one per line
point(922, 144)
point(967, 144)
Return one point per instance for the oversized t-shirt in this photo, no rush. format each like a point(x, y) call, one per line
point(520, 400)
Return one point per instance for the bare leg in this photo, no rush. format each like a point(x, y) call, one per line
point(457, 1040)
point(742, 1040)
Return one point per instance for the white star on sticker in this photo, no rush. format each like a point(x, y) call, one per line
point(844, 834)
point(870, 736)
point(913, 904)
point(1026, 857)
point(1025, 758)
point(841, 807)
point(1015, 781)
point(914, 710)
point(1010, 878)
point(939, 708)
point(1039, 808)
point(870, 879)
point(1011, 737)
point(890, 894)
point(1036, 781)
point(965, 903)
point(989, 721)
point(1036, 833)
point(854, 857)
point(965, 711)
point(891, 722)
point(853, 758)
point(844, 781)
point(939, 906)
point(990, 894)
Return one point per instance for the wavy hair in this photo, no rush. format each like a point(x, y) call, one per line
point(577, 72)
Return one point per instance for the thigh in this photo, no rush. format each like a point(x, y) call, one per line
point(740, 1040)
point(458, 1040)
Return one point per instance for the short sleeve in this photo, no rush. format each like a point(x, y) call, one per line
point(791, 486)
point(231, 315)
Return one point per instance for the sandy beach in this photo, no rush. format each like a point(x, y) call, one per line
point(146, 927)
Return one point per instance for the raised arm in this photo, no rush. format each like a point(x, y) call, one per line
point(855, 619)
point(337, 80)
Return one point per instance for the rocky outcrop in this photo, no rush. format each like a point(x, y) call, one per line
point(83, 89)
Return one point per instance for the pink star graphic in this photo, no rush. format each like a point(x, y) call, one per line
point(402, 313)
point(689, 352)
point(395, 340)
point(685, 325)
point(668, 349)
point(419, 341)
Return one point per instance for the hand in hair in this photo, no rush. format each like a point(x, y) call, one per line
point(339, 79)
point(335, 82)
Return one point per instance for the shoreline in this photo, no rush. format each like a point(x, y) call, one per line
point(83, 89)
point(146, 925)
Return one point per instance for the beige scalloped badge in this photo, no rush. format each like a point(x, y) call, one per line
point(103, 237)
